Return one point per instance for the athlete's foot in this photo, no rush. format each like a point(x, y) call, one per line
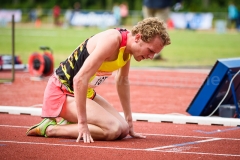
point(50, 131)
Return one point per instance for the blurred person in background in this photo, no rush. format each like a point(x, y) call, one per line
point(39, 15)
point(32, 15)
point(233, 15)
point(56, 15)
point(70, 92)
point(124, 13)
point(157, 8)
point(39, 12)
point(76, 9)
point(116, 13)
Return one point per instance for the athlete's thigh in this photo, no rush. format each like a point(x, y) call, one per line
point(96, 114)
point(107, 106)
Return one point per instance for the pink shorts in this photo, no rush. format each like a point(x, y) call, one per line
point(54, 97)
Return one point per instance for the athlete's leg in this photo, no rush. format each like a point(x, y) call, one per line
point(107, 106)
point(102, 124)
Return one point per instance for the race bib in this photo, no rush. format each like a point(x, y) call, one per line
point(99, 78)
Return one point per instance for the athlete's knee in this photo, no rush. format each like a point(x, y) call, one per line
point(125, 131)
point(119, 131)
point(113, 131)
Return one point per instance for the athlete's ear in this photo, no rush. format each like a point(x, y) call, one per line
point(137, 37)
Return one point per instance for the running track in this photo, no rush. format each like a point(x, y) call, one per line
point(164, 140)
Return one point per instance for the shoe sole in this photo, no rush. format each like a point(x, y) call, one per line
point(36, 125)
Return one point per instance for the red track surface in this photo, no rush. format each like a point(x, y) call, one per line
point(152, 92)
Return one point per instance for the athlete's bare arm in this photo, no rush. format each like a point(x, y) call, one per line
point(101, 47)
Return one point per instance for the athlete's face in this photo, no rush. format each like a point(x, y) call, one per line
point(143, 50)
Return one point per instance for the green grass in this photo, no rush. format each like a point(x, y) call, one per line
point(188, 48)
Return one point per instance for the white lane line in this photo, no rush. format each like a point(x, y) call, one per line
point(184, 144)
point(11, 126)
point(115, 148)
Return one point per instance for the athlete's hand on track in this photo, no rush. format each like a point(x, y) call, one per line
point(84, 133)
point(134, 134)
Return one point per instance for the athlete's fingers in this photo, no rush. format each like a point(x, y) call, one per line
point(87, 138)
point(84, 137)
point(137, 135)
point(91, 139)
point(79, 137)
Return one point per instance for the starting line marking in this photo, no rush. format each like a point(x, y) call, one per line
point(217, 131)
point(184, 144)
point(168, 118)
point(183, 136)
point(115, 148)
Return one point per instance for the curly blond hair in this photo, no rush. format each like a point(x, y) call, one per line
point(151, 27)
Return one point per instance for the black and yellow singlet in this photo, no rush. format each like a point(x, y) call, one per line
point(70, 67)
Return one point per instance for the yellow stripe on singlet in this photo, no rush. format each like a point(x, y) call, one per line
point(75, 55)
point(65, 71)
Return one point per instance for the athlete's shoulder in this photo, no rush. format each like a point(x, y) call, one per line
point(111, 36)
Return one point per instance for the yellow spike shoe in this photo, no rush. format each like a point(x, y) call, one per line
point(40, 128)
